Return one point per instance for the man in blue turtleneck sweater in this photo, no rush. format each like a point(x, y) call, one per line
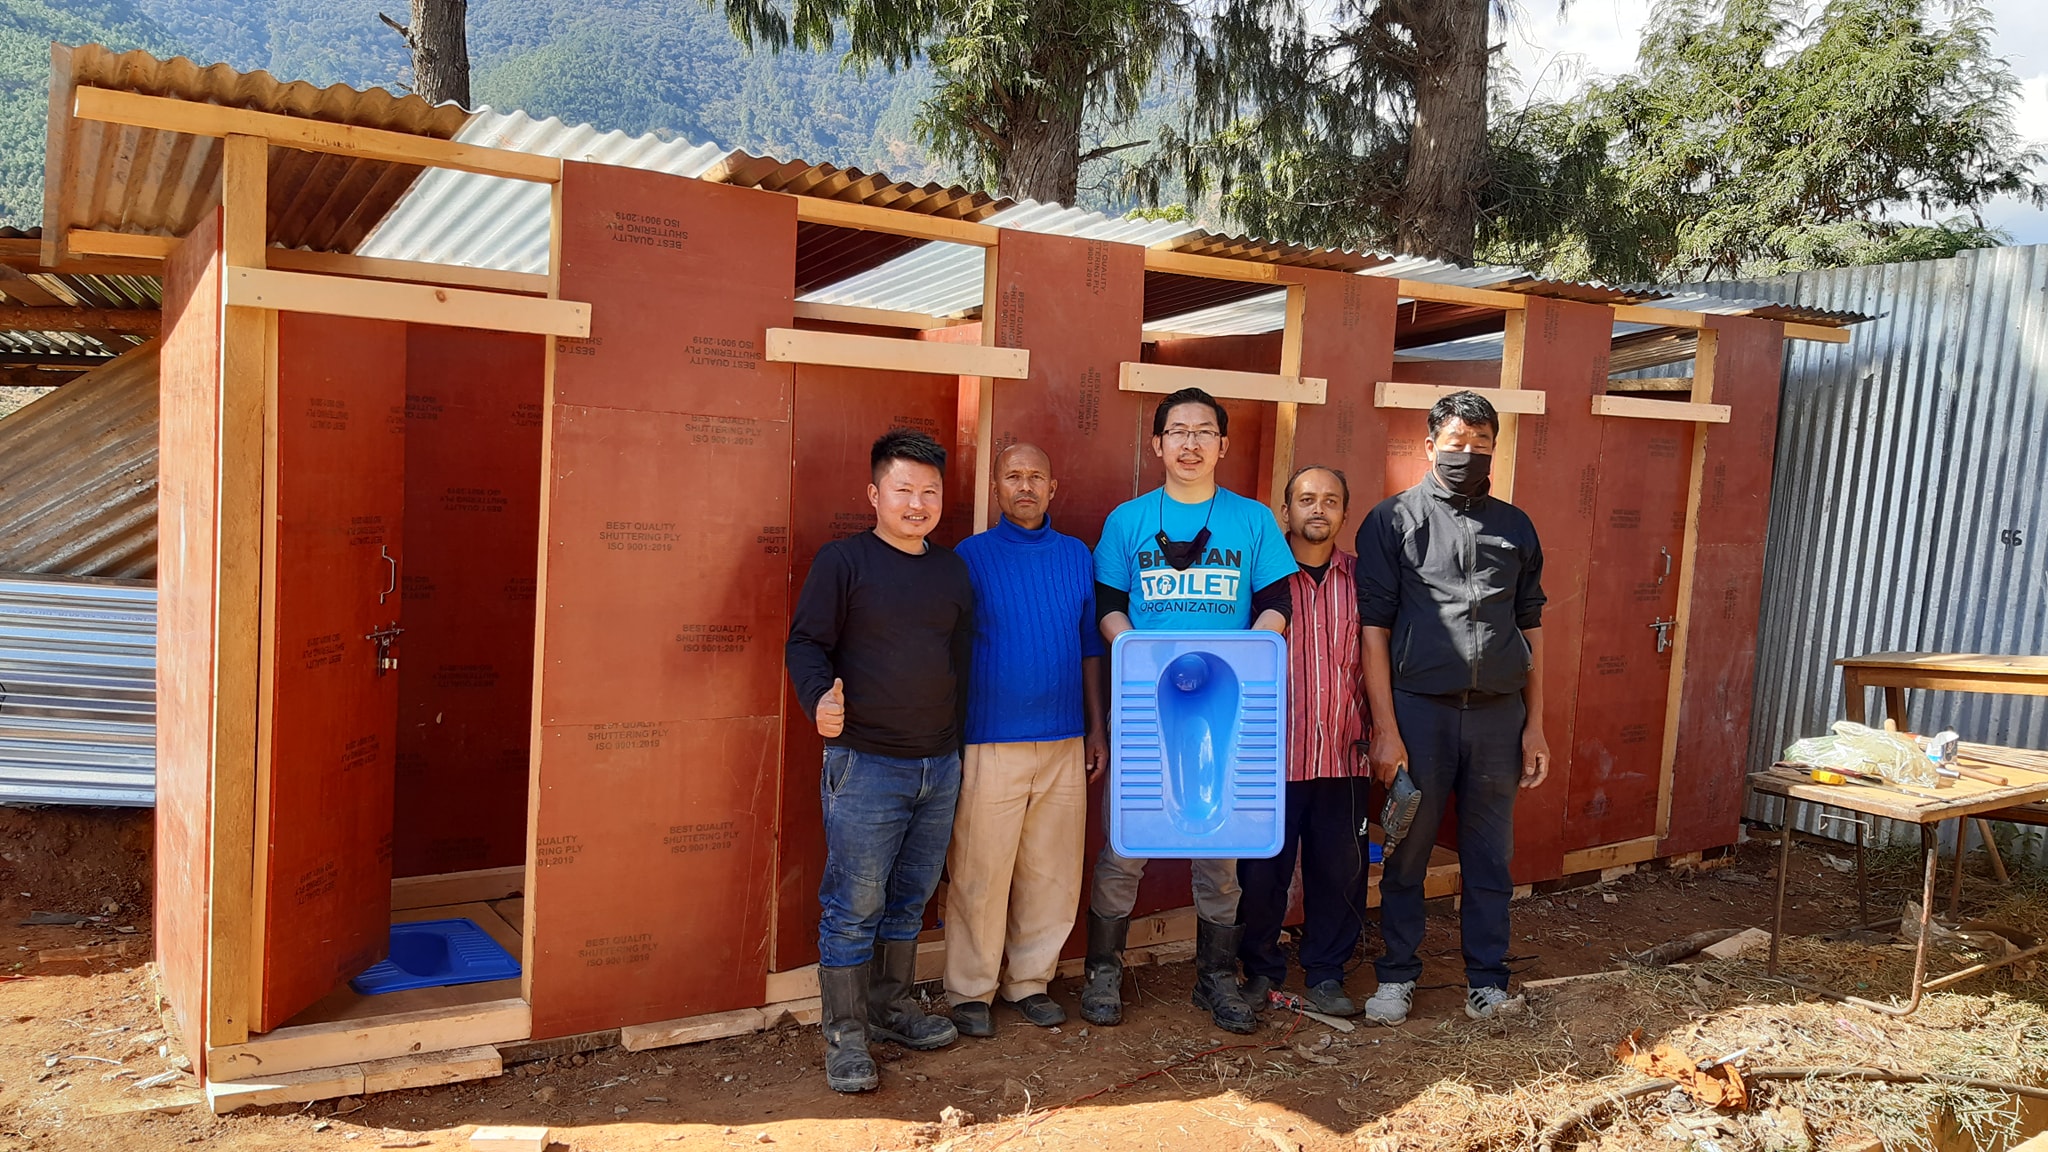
point(1035, 737)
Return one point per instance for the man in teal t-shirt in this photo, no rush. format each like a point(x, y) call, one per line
point(1186, 556)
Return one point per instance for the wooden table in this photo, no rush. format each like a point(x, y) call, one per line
point(1936, 671)
point(1960, 800)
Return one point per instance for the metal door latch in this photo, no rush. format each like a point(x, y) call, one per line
point(383, 638)
point(1663, 630)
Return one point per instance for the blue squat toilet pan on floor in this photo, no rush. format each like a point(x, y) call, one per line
point(1198, 734)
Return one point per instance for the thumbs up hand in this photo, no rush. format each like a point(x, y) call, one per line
point(832, 710)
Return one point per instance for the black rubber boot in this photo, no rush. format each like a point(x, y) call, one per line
point(1216, 977)
point(893, 1012)
point(1102, 996)
point(843, 997)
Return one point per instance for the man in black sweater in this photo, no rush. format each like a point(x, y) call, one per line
point(878, 652)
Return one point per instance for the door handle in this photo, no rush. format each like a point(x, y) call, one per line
point(1666, 553)
point(391, 578)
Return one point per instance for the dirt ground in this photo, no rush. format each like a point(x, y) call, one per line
point(82, 1027)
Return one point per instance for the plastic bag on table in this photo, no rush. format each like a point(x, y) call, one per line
point(1856, 748)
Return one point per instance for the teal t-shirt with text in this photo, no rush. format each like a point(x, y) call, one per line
point(1246, 551)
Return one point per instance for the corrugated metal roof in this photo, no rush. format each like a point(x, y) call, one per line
point(1276, 252)
point(77, 691)
point(126, 179)
point(853, 186)
point(78, 475)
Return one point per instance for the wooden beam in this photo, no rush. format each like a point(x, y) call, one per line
point(57, 132)
point(126, 321)
point(1287, 413)
point(1610, 855)
point(411, 303)
point(417, 271)
point(799, 346)
point(33, 360)
point(40, 377)
point(482, 884)
point(397, 1073)
point(1635, 407)
point(876, 317)
point(20, 255)
point(1457, 294)
point(985, 398)
point(691, 1029)
point(16, 285)
point(1389, 394)
point(1507, 438)
point(1661, 317)
point(296, 1048)
point(126, 245)
point(307, 135)
point(1210, 267)
point(1819, 332)
point(1650, 384)
point(868, 218)
point(1167, 378)
point(241, 624)
point(1688, 561)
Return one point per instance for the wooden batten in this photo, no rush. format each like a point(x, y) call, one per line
point(1389, 394)
point(1704, 358)
point(801, 346)
point(1287, 413)
point(124, 245)
point(1604, 856)
point(166, 114)
point(985, 399)
point(396, 1073)
point(1210, 267)
point(408, 303)
point(1637, 408)
point(868, 218)
point(483, 884)
point(1167, 378)
point(875, 317)
point(416, 271)
point(1435, 293)
point(1820, 333)
point(297, 1048)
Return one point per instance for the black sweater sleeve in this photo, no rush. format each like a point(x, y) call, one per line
point(1108, 599)
point(814, 628)
point(1275, 597)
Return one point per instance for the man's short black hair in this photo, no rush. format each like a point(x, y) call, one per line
point(1469, 407)
point(1343, 484)
point(905, 444)
point(1189, 396)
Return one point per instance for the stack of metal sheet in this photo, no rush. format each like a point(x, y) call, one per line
point(77, 691)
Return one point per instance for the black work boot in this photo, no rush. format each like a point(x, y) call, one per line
point(893, 1012)
point(1216, 977)
point(843, 998)
point(1102, 996)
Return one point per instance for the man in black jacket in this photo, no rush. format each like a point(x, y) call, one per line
point(1450, 599)
point(878, 651)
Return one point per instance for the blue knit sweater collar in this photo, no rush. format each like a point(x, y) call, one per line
point(1013, 533)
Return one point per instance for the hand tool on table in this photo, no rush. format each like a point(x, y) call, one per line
point(1834, 776)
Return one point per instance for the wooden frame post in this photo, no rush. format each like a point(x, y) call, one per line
point(1286, 412)
point(235, 840)
point(985, 411)
point(536, 736)
point(1688, 556)
point(1514, 338)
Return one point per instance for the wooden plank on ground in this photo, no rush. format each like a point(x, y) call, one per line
point(297, 1048)
point(410, 303)
point(457, 887)
point(1164, 379)
point(669, 1033)
point(298, 1087)
point(795, 984)
point(845, 350)
point(1387, 394)
point(426, 1069)
point(1605, 856)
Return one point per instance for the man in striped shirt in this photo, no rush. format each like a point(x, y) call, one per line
point(1327, 779)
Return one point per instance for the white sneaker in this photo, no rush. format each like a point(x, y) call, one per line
point(1487, 1003)
point(1389, 1003)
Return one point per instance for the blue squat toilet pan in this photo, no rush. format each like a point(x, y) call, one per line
point(1198, 737)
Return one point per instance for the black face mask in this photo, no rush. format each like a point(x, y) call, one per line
point(1182, 554)
point(1464, 473)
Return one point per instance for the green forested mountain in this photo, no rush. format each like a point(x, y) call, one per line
point(665, 66)
point(26, 29)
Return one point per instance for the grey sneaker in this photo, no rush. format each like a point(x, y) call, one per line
point(1487, 1003)
point(1389, 1003)
point(1329, 999)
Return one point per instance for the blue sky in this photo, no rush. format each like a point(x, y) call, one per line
point(1598, 38)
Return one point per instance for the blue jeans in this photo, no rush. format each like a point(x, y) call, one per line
point(1475, 754)
point(887, 824)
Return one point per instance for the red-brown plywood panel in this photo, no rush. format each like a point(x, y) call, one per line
point(1078, 306)
point(1618, 732)
point(839, 412)
point(1556, 478)
point(684, 279)
point(1347, 338)
point(472, 518)
point(187, 462)
point(1720, 667)
point(340, 514)
point(652, 882)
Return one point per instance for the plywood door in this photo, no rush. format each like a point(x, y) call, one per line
point(1618, 728)
point(324, 798)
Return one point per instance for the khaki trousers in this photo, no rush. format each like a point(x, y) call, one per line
point(1014, 867)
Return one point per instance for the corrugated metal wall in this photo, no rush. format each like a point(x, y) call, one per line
point(1910, 510)
point(77, 691)
point(78, 475)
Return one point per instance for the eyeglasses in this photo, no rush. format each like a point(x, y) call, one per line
point(1190, 436)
